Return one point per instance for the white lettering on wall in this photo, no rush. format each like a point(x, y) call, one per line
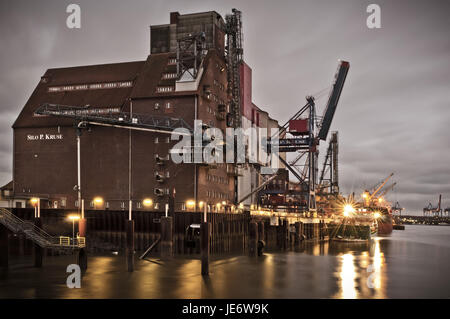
point(44, 137)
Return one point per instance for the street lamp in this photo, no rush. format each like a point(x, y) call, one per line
point(36, 202)
point(190, 204)
point(98, 201)
point(73, 218)
point(147, 202)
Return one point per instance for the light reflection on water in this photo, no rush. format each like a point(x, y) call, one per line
point(362, 275)
point(393, 267)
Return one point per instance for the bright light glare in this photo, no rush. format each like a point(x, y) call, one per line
point(34, 200)
point(147, 202)
point(376, 215)
point(348, 209)
point(74, 217)
point(190, 203)
point(98, 200)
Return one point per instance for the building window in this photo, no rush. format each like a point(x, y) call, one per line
point(76, 203)
point(107, 205)
point(167, 140)
point(167, 191)
point(168, 105)
point(164, 89)
point(156, 106)
point(183, 206)
point(63, 202)
point(138, 205)
point(156, 140)
point(122, 205)
point(92, 203)
point(156, 205)
point(167, 174)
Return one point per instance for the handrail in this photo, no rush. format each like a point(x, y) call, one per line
point(36, 234)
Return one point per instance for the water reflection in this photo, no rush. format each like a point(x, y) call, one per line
point(378, 269)
point(362, 274)
point(348, 276)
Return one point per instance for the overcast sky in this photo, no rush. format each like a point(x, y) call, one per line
point(394, 112)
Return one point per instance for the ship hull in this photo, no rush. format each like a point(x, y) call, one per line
point(385, 225)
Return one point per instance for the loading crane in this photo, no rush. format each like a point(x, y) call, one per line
point(304, 139)
point(433, 211)
point(368, 195)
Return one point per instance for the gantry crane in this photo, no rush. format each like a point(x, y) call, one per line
point(433, 211)
point(299, 134)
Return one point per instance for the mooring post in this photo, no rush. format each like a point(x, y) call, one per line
point(166, 236)
point(261, 242)
point(82, 230)
point(285, 234)
point(253, 241)
point(204, 244)
point(4, 247)
point(204, 241)
point(130, 245)
point(38, 253)
point(298, 234)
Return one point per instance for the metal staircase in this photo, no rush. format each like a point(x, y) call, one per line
point(38, 235)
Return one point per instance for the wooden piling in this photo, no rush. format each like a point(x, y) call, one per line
point(130, 245)
point(253, 240)
point(4, 247)
point(261, 238)
point(166, 236)
point(38, 251)
point(204, 244)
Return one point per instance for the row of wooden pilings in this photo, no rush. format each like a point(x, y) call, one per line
point(219, 233)
point(284, 235)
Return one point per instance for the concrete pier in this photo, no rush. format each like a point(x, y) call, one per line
point(38, 250)
point(130, 245)
point(204, 246)
point(4, 247)
point(166, 236)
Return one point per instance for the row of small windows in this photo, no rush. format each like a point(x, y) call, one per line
point(167, 76)
point(219, 195)
point(164, 89)
point(217, 179)
point(95, 86)
point(172, 61)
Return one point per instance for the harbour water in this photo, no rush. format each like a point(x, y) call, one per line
point(413, 263)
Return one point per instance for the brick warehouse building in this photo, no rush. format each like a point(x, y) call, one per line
point(45, 148)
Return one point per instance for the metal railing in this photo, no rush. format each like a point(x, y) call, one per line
point(36, 234)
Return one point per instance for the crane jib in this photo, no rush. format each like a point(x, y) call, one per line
point(333, 100)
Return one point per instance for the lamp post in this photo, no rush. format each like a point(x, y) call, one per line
point(73, 218)
point(36, 202)
point(98, 201)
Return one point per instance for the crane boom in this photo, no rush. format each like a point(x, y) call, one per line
point(388, 189)
point(381, 186)
point(333, 100)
